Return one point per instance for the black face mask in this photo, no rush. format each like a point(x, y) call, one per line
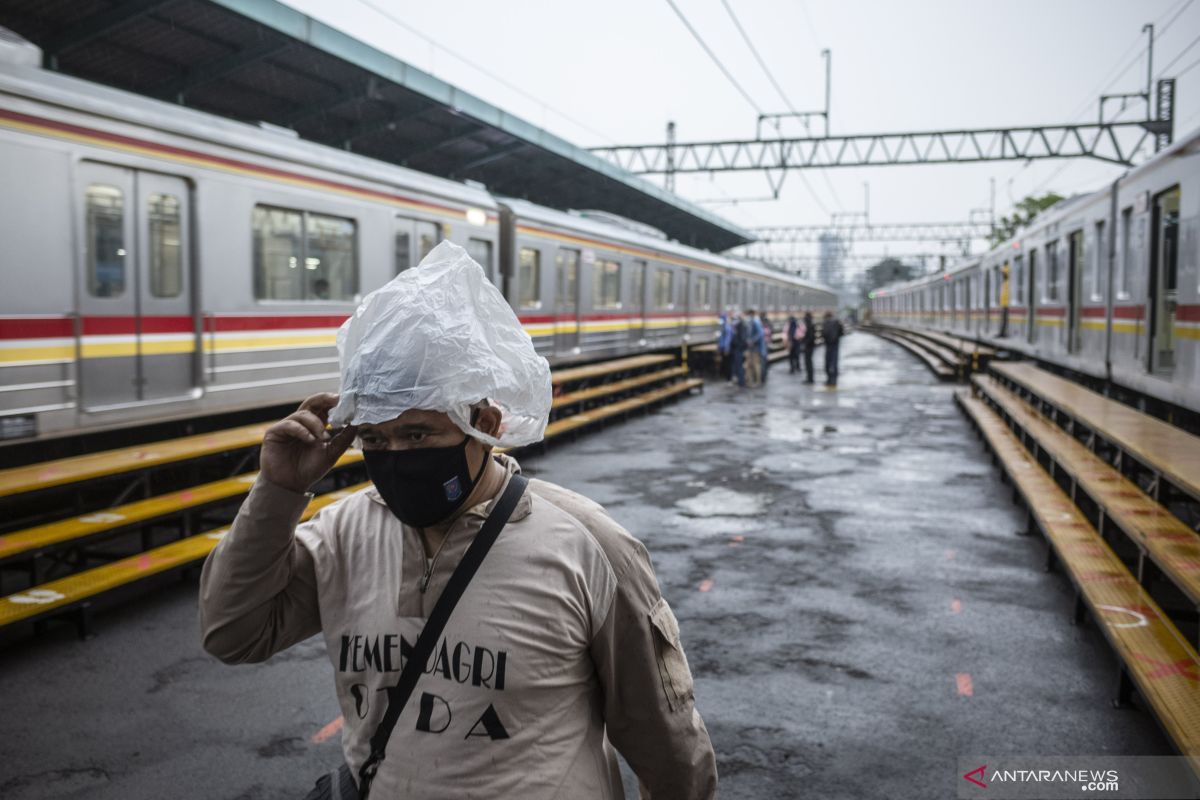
point(425, 485)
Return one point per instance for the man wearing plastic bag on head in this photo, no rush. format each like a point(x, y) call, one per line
point(560, 644)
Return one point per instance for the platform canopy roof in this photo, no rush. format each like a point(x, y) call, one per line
point(260, 60)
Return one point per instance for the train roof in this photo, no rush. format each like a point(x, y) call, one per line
point(262, 60)
point(123, 107)
point(613, 231)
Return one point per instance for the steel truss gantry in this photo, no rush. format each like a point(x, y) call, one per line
point(1113, 142)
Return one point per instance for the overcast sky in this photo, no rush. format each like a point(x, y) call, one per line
point(616, 71)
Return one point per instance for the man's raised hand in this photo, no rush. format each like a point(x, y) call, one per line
point(297, 451)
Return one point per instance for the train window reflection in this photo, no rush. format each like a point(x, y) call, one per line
point(481, 251)
point(664, 284)
point(637, 286)
point(428, 236)
point(607, 289)
point(1052, 272)
point(105, 241)
point(567, 283)
point(166, 251)
point(304, 256)
point(530, 278)
point(702, 300)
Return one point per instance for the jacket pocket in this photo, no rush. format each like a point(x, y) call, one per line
point(672, 664)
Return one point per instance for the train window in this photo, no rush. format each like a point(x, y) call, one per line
point(567, 283)
point(428, 236)
point(637, 285)
point(530, 278)
point(166, 253)
point(1052, 271)
point(329, 258)
point(105, 241)
point(1098, 263)
point(1016, 281)
point(403, 250)
point(606, 291)
point(664, 285)
point(481, 251)
point(304, 256)
point(702, 300)
point(1125, 268)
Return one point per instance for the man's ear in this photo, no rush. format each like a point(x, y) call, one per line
point(488, 420)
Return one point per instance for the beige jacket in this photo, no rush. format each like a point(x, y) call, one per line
point(561, 638)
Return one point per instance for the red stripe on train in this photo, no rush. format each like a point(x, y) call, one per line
point(36, 328)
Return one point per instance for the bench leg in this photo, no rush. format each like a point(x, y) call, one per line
point(1124, 688)
point(1051, 559)
point(1079, 613)
point(83, 621)
point(1030, 525)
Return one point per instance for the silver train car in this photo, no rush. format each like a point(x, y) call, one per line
point(161, 263)
point(1105, 285)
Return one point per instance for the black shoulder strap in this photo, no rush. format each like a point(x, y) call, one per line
point(419, 657)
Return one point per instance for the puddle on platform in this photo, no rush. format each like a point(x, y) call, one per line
point(722, 502)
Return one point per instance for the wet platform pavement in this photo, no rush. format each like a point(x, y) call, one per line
point(856, 604)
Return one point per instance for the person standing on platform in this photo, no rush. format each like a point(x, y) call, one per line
point(557, 646)
point(737, 350)
point(764, 350)
point(810, 344)
point(1004, 301)
point(795, 336)
point(724, 345)
point(831, 332)
point(754, 341)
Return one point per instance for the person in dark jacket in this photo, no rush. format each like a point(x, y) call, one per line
point(831, 332)
point(810, 344)
point(737, 349)
point(795, 336)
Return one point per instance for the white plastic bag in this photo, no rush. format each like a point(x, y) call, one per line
point(441, 337)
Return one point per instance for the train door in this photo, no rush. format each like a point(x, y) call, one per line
point(1164, 280)
point(1034, 297)
point(637, 301)
point(1074, 289)
point(986, 324)
point(139, 337)
point(566, 298)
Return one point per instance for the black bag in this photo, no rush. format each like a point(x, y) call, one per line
point(340, 784)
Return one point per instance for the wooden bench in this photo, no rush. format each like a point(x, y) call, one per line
point(48, 474)
point(1155, 657)
point(935, 364)
point(76, 591)
point(616, 387)
point(949, 356)
point(607, 368)
point(965, 347)
point(576, 421)
point(1170, 544)
point(27, 545)
point(1165, 451)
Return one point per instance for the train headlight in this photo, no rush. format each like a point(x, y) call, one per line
point(476, 216)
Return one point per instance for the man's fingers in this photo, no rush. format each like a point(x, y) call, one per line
point(290, 429)
point(320, 404)
point(312, 422)
point(341, 442)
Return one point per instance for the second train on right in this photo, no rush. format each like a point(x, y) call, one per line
point(1105, 285)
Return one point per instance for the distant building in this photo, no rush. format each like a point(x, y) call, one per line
point(829, 264)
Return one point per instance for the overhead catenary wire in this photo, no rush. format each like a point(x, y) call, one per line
point(1173, 13)
point(786, 101)
point(1177, 58)
point(720, 65)
point(484, 70)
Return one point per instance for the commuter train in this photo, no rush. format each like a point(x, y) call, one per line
point(161, 263)
point(1105, 285)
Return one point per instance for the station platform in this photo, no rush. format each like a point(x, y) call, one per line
point(853, 595)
